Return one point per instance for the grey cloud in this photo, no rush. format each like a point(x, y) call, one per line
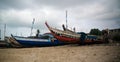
point(15, 23)
point(107, 16)
point(53, 11)
point(101, 10)
point(15, 4)
point(23, 4)
point(63, 3)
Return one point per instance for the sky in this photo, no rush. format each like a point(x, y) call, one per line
point(82, 14)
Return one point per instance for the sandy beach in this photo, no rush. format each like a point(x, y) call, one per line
point(66, 53)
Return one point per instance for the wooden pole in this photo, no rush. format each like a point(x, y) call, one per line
point(4, 31)
point(0, 34)
point(66, 20)
point(32, 26)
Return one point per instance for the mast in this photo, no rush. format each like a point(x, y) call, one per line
point(66, 20)
point(0, 34)
point(32, 26)
point(4, 31)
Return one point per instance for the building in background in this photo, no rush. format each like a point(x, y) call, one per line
point(2, 31)
point(114, 34)
point(114, 30)
point(0, 34)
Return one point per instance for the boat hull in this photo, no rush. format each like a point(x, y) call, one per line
point(34, 43)
point(72, 37)
point(66, 39)
point(27, 42)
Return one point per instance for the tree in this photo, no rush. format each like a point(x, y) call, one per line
point(95, 32)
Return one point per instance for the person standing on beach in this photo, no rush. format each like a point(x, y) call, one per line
point(37, 35)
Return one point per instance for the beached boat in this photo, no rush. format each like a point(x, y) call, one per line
point(27, 42)
point(69, 36)
point(64, 36)
point(12, 42)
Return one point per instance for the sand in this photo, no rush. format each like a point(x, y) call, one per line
point(66, 53)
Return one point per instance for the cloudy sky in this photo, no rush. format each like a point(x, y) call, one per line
point(82, 14)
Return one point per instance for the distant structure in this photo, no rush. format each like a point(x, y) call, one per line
point(112, 33)
point(114, 30)
point(2, 31)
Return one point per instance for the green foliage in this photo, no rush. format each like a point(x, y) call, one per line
point(95, 32)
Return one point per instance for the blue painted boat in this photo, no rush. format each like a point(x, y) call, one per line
point(28, 42)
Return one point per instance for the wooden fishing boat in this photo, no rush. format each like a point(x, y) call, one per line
point(28, 42)
point(12, 42)
point(69, 36)
point(64, 36)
